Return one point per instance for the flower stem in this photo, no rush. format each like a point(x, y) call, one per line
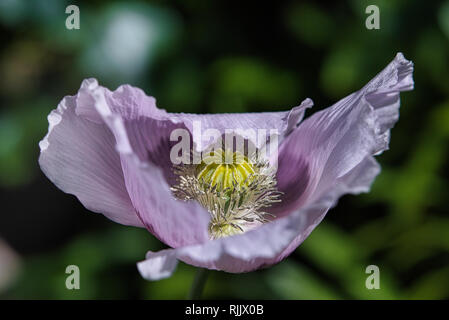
point(198, 284)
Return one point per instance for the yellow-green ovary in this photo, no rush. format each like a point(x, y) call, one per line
point(224, 169)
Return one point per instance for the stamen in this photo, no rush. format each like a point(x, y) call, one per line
point(233, 188)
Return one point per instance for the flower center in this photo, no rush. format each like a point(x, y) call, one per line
point(225, 169)
point(233, 188)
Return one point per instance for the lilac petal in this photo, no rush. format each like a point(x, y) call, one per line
point(129, 101)
point(331, 142)
point(265, 245)
point(78, 156)
point(160, 266)
point(282, 123)
point(174, 222)
point(141, 117)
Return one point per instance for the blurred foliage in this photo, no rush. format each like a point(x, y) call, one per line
point(217, 56)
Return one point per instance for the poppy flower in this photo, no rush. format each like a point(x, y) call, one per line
point(114, 150)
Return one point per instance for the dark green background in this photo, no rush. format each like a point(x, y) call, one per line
point(226, 56)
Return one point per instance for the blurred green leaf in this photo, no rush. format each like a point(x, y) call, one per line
point(20, 131)
point(340, 73)
point(443, 18)
point(310, 23)
point(245, 82)
point(339, 255)
point(432, 285)
point(290, 280)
